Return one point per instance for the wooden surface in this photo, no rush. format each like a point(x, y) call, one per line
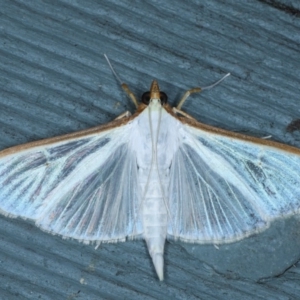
point(55, 80)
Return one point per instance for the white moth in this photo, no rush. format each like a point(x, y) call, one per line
point(158, 174)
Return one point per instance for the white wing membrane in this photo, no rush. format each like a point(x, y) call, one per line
point(223, 189)
point(85, 188)
point(220, 188)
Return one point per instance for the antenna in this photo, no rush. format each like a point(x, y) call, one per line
point(123, 85)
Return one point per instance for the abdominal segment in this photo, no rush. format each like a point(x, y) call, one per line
point(155, 217)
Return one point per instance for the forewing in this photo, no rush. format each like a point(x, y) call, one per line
point(223, 189)
point(84, 188)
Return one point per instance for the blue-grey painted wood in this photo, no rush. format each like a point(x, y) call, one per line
point(54, 80)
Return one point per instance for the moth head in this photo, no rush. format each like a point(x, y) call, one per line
point(154, 93)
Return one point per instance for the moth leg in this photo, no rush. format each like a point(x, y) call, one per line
point(130, 94)
point(186, 95)
point(266, 137)
point(180, 112)
point(198, 90)
point(125, 114)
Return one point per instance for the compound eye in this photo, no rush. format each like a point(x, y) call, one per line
point(146, 98)
point(163, 98)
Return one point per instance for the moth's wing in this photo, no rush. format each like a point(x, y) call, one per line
point(82, 186)
point(225, 186)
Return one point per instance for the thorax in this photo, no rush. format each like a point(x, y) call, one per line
point(154, 139)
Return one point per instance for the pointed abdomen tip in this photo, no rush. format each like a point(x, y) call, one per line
point(158, 262)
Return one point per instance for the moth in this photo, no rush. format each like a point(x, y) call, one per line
point(157, 174)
